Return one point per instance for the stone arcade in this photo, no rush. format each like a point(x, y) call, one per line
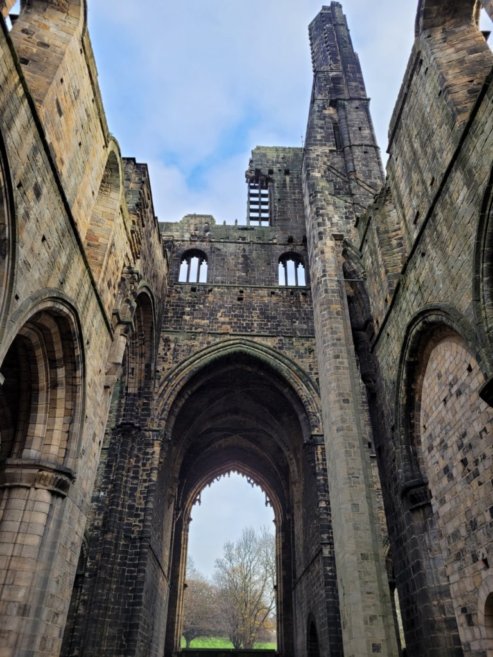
point(337, 349)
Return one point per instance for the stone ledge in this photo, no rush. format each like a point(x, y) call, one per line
point(23, 473)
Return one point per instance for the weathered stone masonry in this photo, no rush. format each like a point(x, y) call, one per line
point(340, 338)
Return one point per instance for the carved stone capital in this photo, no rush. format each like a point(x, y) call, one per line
point(23, 473)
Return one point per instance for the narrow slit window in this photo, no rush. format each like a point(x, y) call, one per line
point(291, 271)
point(337, 137)
point(193, 267)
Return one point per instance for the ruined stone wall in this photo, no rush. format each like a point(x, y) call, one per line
point(111, 365)
point(242, 300)
point(423, 250)
point(55, 322)
point(138, 514)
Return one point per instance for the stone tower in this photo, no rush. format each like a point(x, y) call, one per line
point(341, 174)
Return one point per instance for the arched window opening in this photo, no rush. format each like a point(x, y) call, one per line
point(313, 646)
point(193, 267)
point(291, 270)
point(40, 395)
point(337, 136)
point(230, 584)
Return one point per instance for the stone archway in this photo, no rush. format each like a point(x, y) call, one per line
point(41, 402)
point(235, 406)
point(239, 413)
point(444, 427)
point(231, 464)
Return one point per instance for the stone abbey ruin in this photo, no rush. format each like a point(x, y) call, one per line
point(336, 349)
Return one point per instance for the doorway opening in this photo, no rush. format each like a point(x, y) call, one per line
point(229, 599)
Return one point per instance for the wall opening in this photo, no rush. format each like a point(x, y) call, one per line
point(230, 585)
point(193, 267)
point(291, 270)
point(313, 646)
point(40, 395)
point(21, 376)
point(237, 413)
point(259, 198)
point(398, 618)
point(11, 13)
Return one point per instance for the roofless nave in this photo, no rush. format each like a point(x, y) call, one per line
point(337, 350)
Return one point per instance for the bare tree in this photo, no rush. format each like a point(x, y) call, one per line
point(201, 607)
point(245, 577)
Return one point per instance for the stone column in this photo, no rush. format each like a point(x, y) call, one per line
point(32, 606)
point(364, 597)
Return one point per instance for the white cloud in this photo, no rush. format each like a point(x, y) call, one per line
point(221, 192)
point(187, 84)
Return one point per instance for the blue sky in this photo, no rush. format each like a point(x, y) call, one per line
point(191, 87)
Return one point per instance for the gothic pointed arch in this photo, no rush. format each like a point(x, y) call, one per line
point(239, 406)
point(298, 380)
point(313, 646)
point(443, 427)
point(42, 398)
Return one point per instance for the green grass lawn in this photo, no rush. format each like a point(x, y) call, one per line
point(221, 642)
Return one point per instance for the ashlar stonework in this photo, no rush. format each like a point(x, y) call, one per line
point(336, 349)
